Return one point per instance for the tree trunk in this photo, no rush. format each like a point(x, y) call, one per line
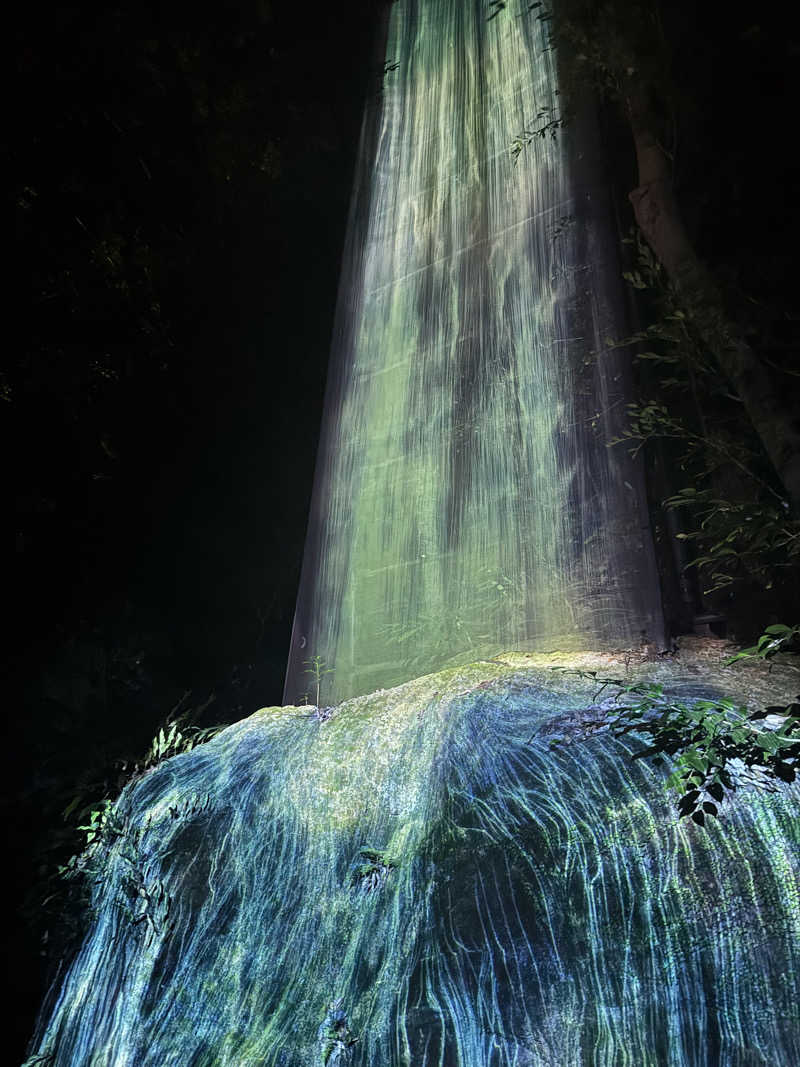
point(659, 219)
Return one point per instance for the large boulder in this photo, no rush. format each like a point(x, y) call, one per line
point(419, 877)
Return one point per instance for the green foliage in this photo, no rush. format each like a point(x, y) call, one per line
point(317, 668)
point(334, 1036)
point(773, 640)
point(372, 870)
point(102, 824)
point(94, 825)
point(735, 511)
point(143, 902)
point(621, 51)
point(102, 827)
point(735, 516)
point(548, 123)
point(712, 746)
point(740, 540)
point(172, 740)
point(68, 890)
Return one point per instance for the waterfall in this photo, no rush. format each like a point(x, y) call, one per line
point(466, 500)
point(417, 877)
point(420, 880)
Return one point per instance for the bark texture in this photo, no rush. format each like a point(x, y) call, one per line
point(658, 216)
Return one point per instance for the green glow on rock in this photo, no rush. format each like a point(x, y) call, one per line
point(540, 907)
point(466, 500)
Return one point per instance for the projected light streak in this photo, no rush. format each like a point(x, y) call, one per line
point(542, 907)
point(460, 251)
point(466, 500)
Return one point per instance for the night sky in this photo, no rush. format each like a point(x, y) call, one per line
point(179, 180)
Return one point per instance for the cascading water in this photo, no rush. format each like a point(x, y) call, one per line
point(419, 879)
point(466, 500)
point(415, 878)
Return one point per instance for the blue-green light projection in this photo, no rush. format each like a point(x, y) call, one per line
point(416, 878)
point(466, 500)
point(419, 879)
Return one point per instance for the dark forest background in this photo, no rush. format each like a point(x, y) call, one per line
point(179, 181)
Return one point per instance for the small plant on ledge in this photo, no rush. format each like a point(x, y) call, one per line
point(335, 1037)
point(317, 669)
point(714, 745)
point(372, 870)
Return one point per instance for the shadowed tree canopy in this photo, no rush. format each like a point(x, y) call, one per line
point(631, 52)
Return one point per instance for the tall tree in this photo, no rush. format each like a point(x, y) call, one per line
point(620, 47)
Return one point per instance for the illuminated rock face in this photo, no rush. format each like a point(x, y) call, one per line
point(466, 499)
point(421, 880)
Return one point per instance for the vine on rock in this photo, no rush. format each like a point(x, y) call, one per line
point(714, 746)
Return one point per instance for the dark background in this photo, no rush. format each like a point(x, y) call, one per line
point(179, 183)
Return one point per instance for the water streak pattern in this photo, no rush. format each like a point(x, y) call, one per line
point(537, 907)
point(466, 500)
